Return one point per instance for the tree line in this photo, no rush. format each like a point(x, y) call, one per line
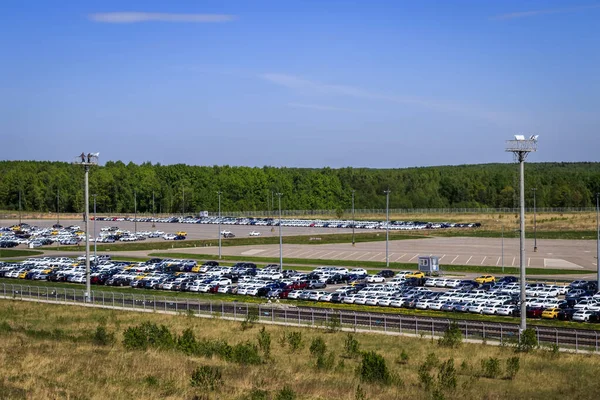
point(118, 187)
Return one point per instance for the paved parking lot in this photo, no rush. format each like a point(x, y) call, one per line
point(563, 254)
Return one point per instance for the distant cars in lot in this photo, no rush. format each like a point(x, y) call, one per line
point(254, 233)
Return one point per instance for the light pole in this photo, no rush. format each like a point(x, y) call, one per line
point(87, 162)
point(353, 221)
point(219, 194)
point(502, 248)
point(521, 147)
point(135, 212)
point(280, 237)
point(534, 222)
point(20, 218)
point(58, 207)
point(598, 240)
point(95, 238)
point(387, 227)
point(153, 211)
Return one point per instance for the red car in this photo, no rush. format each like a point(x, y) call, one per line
point(535, 312)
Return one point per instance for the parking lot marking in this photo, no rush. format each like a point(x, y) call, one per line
point(442, 257)
point(374, 256)
point(349, 255)
point(498, 262)
point(293, 252)
point(318, 252)
point(397, 259)
point(326, 254)
point(528, 261)
point(454, 260)
point(413, 257)
point(362, 255)
point(482, 261)
point(513, 261)
point(468, 260)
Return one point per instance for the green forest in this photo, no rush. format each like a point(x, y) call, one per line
point(42, 185)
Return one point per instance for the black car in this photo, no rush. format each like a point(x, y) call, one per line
point(566, 314)
point(386, 273)
point(335, 279)
point(507, 279)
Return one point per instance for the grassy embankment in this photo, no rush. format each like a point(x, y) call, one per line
point(50, 351)
point(15, 253)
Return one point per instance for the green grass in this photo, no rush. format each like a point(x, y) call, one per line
point(373, 264)
point(4, 253)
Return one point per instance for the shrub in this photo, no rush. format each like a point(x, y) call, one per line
point(403, 358)
point(102, 337)
point(286, 394)
point(373, 369)
point(251, 318)
point(351, 346)
point(264, 342)
point(431, 361)
point(258, 394)
point(359, 394)
point(512, 367)
point(318, 347)
point(134, 338)
point(334, 324)
point(206, 377)
point(245, 354)
point(528, 341)
point(425, 377)
point(447, 375)
point(325, 361)
point(452, 337)
point(187, 342)
point(490, 368)
point(294, 340)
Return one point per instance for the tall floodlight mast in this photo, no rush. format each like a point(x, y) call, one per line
point(521, 147)
point(87, 161)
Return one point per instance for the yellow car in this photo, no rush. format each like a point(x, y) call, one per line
point(550, 313)
point(485, 279)
point(416, 274)
point(196, 268)
point(181, 233)
point(23, 274)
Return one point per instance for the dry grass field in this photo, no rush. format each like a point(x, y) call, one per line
point(52, 351)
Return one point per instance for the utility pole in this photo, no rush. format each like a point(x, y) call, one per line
point(502, 248)
point(153, 211)
point(598, 240)
point(353, 220)
point(534, 222)
point(280, 237)
point(58, 207)
point(387, 227)
point(87, 162)
point(521, 147)
point(20, 216)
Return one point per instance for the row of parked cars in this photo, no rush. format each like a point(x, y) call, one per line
point(486, 294)
point(296, 222)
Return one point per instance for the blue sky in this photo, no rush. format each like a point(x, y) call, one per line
point(299, 83)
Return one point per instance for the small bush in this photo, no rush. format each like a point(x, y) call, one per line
point(294, 340)
point(351, 346)
point(258, 394)
point(402, 358)
point(425, 377)
point(134, 338)
point(452, 337)
point(245, 354)
point(102, 337)
point(326, 361)
point(334, 324)
point(373, 369)
point(527, 342)
point(207, 377)
point(151, 380)
point(431, 361)
point(264, 342)
point(318, 347)
point(286, 394)
point(251, 318)
point(187, 342)
point(490, 368)
point(512, 367)
point(447, 375)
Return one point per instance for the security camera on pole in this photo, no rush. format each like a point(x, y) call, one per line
point(521, 147)
point(87, 161)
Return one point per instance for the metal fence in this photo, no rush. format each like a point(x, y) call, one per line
point(275, 313)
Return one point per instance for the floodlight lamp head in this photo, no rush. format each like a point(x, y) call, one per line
point(519, 137)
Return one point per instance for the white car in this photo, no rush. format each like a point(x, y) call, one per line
point(254, 233)
point(375, 279)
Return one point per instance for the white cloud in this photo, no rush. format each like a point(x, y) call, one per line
point(308, 87)
point(533, 13)
point(133, 17)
